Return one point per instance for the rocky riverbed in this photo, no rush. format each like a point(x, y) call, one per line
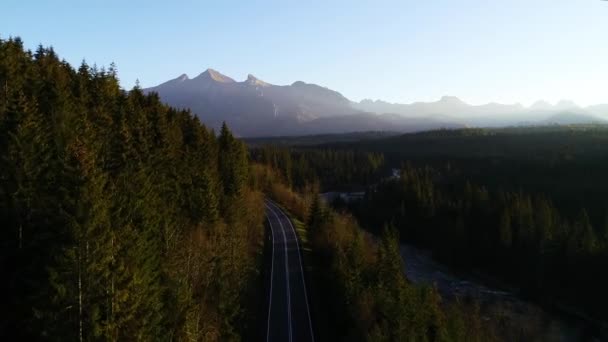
point(516, 318)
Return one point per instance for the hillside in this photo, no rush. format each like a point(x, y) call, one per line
point(257, 108)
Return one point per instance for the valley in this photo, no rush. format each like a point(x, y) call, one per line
point(387, 171)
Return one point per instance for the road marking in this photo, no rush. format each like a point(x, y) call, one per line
point(271, 279)
point(312, 335)
point(286, 273)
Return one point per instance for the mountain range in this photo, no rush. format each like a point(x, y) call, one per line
point(564, 112)
point(257, 108)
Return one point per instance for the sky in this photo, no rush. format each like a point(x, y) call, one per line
point(399, 51)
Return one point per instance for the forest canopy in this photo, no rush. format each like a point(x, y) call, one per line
point(122, 218)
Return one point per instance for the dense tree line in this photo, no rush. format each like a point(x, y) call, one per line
point(332, 169)
point(523, 239)
point(568, 164)
point(538, 224)
point(122, 218)
point(359, 280)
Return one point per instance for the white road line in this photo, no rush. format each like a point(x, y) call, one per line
point(286, 274)
point(312, 335)
point(271, 279)
point(301, 268)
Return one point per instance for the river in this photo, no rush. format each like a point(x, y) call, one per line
point(519, 319)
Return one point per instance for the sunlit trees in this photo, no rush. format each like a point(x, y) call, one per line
point(110, 209)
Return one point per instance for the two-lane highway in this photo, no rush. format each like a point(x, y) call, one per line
point(288, 310)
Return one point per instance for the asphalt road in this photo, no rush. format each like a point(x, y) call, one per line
point(288, 310)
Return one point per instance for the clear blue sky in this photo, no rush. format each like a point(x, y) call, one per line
point(401, 51)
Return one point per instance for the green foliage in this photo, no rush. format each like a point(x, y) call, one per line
point(361, 287)
point(522, 239)
point(567, 164)
point(122, 218)
point(333, 169)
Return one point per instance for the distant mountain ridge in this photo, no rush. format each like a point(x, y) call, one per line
point(492, 114)
point(300, 100)
point(255, 108)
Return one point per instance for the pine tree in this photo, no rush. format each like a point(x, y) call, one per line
point(505, 230)
point(37, 200)
point(232, 162)
point(233, 170)
point(317, 216)
point(584, 234)
point(105, 197)
point(390, 263)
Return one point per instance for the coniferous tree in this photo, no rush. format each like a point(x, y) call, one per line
point(105, 197)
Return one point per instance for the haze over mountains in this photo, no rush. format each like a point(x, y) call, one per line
point(257, 108)
point(493, 114)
